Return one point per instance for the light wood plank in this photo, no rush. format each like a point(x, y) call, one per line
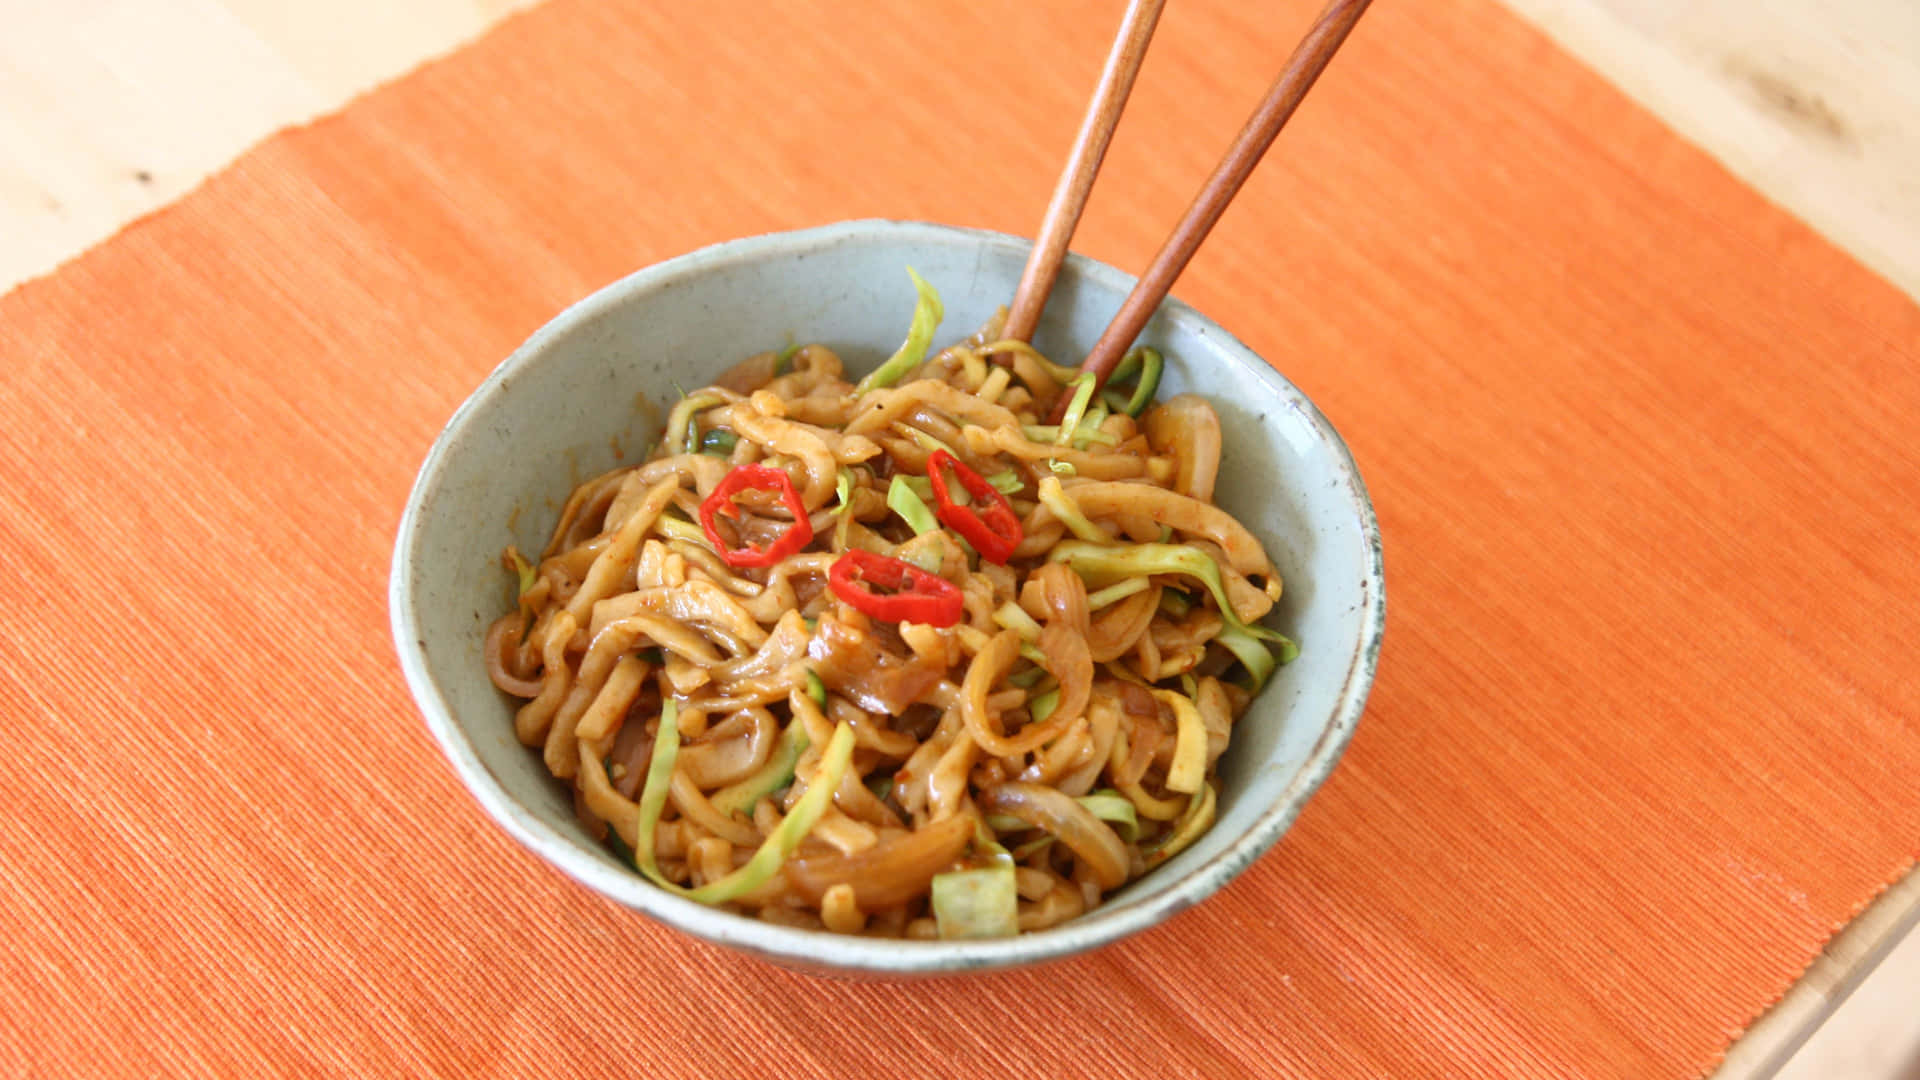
point(110, 109)
point(1810, 101)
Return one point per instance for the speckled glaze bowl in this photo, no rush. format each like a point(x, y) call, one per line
point(598, 379)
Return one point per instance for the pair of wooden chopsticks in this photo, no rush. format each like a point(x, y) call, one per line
point(1309, 59)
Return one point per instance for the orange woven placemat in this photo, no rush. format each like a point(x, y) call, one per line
point(1644, 733)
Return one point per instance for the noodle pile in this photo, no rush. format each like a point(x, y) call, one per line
point(760, 720)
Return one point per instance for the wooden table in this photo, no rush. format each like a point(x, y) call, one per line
point(110, 110)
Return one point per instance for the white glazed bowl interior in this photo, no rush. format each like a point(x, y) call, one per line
point(605, 371)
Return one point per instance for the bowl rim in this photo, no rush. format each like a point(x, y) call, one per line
point(820, 950)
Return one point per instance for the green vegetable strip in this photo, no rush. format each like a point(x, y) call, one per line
point(740, 796)
point(1087, 434)
point(1055, 498)
point(927, 313)
point(1090, 426)
point(620, 849)
point(683, 423)
point(719, 442)
point(1012, 616)
point(1151, 366)
point(794, 828)
point(1196, 820)
point(1253, 655)
point(774, 851)
point(843, 487)
point(928, 556)
point(1127, 368)
point(523, 571)
point(653, 793)
point(901, 500)
point(1076, 408)
point(1042, 707)
point(927, 442)
point(1139, 560)
point(1115, 809)
point(1006, 482)
point(1113, 593)
point(920, 485)
point(816, 689)
point(981, 903)
point(1028, 679)
point(786, 355)
point(678, 528)
point(1057, 372)
point(1031, 847)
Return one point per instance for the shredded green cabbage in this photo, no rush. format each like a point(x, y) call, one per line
point(679, 528)
point(741, 796)
point(843, 488)
point(1116, 810)
point(1140, 560)
point(1254, 655)
point(1042, 706)
point(1028, 678)
point(1196, 819)
point(1007, 481)
point(1089, 432)
point(1151, 366)
point(927, 313)
point(1076, 408)
point(901, 500)
point(1117, 592)
point(1054, 497)
point(523, 571)
point(1011, 616)
point(683, 423)
point(778, 845)
point(981, 903)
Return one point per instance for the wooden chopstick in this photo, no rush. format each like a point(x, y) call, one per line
point(1309, 59)
point(1083, 163)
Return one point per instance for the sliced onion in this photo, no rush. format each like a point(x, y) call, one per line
point(889, 873)
point(1187, 427)
point(1098, 848)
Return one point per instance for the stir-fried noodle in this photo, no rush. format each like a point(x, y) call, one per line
point(895, 658)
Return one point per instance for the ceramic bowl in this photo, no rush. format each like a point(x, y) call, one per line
point(590, 389)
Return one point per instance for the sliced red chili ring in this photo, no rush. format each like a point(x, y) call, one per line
point(912, 595)
point(988, 523)
point(755, 478)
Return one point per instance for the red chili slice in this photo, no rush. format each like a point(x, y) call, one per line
point(994, 533)
point(912, 595)
point(756, 478)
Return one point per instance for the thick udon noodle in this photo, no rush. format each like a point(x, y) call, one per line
point(1103, 620)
